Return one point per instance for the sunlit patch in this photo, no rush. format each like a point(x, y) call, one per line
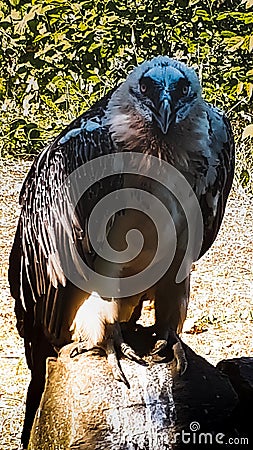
point(91, 318)
point(147, 317)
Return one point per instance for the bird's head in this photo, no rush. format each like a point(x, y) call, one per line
point(165, 89)
point(157, 93)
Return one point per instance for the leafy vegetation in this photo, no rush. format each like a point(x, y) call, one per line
point(58, 57)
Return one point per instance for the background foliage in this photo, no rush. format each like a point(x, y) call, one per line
point(58, 57)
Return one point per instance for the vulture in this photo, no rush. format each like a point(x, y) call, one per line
point(153, 136)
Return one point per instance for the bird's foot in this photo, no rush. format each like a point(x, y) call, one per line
point(115, 344)
point(179, 353)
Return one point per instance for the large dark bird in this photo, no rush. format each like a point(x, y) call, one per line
point(157, 111)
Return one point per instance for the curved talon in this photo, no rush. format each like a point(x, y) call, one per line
point(127, 351)
point(159, 345)
point(159, 359)
point(180, 358)
point(80, 348)
point(117, 372)
point(179, 353)
point(73, 353)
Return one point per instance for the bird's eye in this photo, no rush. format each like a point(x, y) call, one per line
point(185, 89)
point(143, 88)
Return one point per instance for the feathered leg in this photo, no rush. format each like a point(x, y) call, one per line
point(171, 309)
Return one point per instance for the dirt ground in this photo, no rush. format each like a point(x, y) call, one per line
point(220, 317)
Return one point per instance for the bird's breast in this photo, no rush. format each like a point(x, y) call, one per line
point(145, 231)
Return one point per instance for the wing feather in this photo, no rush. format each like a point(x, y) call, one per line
point(36, 273)
point(213, 200)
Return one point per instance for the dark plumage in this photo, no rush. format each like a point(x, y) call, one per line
point(157, 111)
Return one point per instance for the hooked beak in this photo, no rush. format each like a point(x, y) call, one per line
point(164, 116)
